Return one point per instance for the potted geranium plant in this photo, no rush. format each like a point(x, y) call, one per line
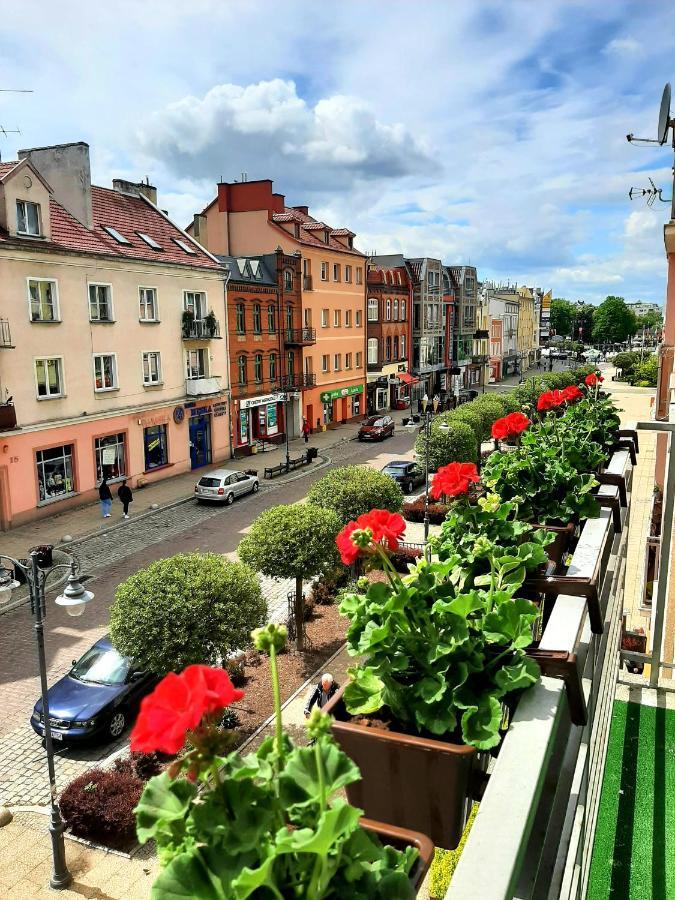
point(268, 824)
point(211, 323)
point(440, 661)
point(187, 322)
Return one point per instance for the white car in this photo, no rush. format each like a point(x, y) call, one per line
point(223, 485)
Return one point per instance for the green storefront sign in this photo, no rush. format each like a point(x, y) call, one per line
point(327, 396)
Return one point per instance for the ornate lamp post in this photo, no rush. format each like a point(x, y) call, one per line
point(73, 599)
point(427, 436)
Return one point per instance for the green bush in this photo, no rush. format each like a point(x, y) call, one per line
point(491, 406)
point(626, 362)
point(190, 608)
point(475, 418)
point(645, 373)
point(454, 443)
point(511, 402)
point(350, 491)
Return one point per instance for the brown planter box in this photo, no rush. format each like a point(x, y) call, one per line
point(411, 782)
point(7, 417)
point(400, 838)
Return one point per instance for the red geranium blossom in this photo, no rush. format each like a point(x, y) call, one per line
point(593, 379)
point(513, 424)
point(572, 393)
point(371, 528)
point(550, 400)
point(177, 705)
point(453, 479)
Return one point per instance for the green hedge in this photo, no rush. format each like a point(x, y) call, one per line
point(454, 443)
point(351, 491)
point(475, 418)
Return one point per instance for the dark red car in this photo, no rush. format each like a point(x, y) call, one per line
point(376, 428)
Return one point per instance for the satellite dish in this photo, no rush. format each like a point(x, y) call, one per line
point(664, 116)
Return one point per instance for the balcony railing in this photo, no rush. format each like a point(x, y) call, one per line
point(307, 283)
point(203, 386)
point(5, 336)
point(201, 329)
point(297, 382)
point(479, 359)
point(300, 337)
point(374, 366)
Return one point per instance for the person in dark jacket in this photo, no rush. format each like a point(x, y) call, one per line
point(105, 497)
point(322, 692)
point(125, 497)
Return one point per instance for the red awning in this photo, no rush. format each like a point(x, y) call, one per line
point(407, 378)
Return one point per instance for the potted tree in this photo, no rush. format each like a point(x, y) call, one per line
point(211, 323)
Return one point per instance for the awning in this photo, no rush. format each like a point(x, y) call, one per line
point(407, 378)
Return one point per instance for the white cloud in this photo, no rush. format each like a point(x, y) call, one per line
point(623, 47)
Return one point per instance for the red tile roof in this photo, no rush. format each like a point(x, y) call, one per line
point(308, 225)
point(128, 215)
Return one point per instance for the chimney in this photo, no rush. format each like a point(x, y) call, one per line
point(65, 167)
point(302, 209)
point(136, 188)
point(199, 232)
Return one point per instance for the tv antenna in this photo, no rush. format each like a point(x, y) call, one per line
point(665, 124)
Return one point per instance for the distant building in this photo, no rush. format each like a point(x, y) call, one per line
point(641, 309)
point(466, 300)
point(429, 332)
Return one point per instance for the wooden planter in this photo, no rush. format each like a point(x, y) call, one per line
point(400, 838)
point(7, 416)
point(416, 783)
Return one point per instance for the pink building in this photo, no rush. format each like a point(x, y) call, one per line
point(496, 349)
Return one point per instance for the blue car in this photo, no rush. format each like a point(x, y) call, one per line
point(97, 699)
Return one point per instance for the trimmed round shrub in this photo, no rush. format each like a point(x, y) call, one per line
point(455, 443)
point(190, 608)
point(475, 418)
point(511, 402)
point(490, 407)
point(99, 805)
point(351, 491)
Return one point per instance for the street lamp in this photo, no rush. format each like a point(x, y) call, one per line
point(288, 454)
point(427, 435)
point(73, 599)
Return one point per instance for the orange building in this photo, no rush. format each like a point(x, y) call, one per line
point(248, 218)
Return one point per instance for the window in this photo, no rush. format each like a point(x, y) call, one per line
point(147, 300)
point(100, 303)
point(290, 364)
point(337, 362)
point(114, 233)
point(55, 472)
point(49, 377)
point(273, 367)
point(402, 356)
point(324, 318)
point(105, 372)
point(195, 302)
point(372, 351)
point(156, 447)
point(271, 318)
point(28, 218)
point(110, 456)
point(196, 364)
point(359, 275)
point(396, 309)
point(241, 318)
point(257, 326)
point(308, 365)
point(184, 246)
point(403, 309)
point(288, 280)
point(241, 367)
point(289, 319)
point(348, 360)
point(388, 310)
point(257, 368)
point(324, 271)
point(372, 309)
point(358, 318)
point(359, 359)
point(149, 241)
point(396, 356)
point(152, 368)
point(337, 318)
point(324, 362)
point(388, 349)
point(336, 271)
point(348, 274)
point(43, 301)
point(348, 318)
point(398, 278)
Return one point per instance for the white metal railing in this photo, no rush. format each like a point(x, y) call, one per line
point(532, 836)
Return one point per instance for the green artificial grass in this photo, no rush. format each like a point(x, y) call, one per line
point(634, 848)
point(445, 862)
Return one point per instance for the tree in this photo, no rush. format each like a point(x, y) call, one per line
point(646, 372)
point(351, 491)
point(190, 608)
point(613, 321)
point(562, 314)
point(456, 442)
point(584, 314)
point(651, 321)
point(293, 541)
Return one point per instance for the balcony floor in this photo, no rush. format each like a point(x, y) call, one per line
point(634, 849)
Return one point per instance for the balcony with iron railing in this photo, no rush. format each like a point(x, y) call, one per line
point(298, 382)
point(5, 335)
point(300, 337)
point(205, 329)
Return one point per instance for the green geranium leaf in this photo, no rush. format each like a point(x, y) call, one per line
point(364, 693)
point(480, 724)
point(332, 828)
point(251, 880)
point(299, 781)
point(511, 623)
point(431, 688)
point(372, 635)
point(162, 809)
point(236, 813)
point(186, 878)
point(517, 676)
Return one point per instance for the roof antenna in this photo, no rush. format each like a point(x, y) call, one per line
point(664, 125)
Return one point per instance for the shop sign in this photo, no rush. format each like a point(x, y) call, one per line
point(327, 396)
point(155, 420)
point(109, 456)
point(243, 426)
point(261, 401)
point(219, 409)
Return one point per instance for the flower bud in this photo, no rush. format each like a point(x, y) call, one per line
point(271, 635)
point(318, 724)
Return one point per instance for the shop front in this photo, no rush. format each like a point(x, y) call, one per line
point(259, 419)
point(341, 404)
point(510, 365)
point(495, 369)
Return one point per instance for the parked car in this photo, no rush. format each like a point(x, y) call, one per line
point(97, 699)
point(376, 428)
point(405, 473)
point(223, 485)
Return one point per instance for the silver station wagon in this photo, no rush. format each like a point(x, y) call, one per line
point(223, 485)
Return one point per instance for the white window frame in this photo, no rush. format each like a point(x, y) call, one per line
point(359, 359)
point(388, 308)
point(348, 360)
point(62, 383)
point(359, 275)
point(111, 308)
point(348, 318)
point(26, 204)
point(145, 287)
point(358, 318)
point(395, 311)
point(337, 318)
point(325, 362)
point(324, 318)
point(401, 346)
point(337, 362)
point(57, 307)
point(288, 279)
point(324, 271)
point(348, 274)
point(145, 357)
point(373, 351)
point(403, 310)
point(205, 306)
point(202, 354)
point(337, 271)
point(373, 309)
point(115, 384)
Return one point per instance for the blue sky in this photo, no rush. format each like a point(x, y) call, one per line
point(482, 132)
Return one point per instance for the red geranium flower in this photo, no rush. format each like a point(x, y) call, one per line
point(572, 394)
point(593, 379)
point(550, 400)
point(371, 528)
point(177, 706)
point(453, 479)
point(513, 424)
point(349, 550)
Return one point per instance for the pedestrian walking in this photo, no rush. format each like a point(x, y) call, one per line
point(105, 497)
point(305, 430)
point(322, 693)
point(125, 497)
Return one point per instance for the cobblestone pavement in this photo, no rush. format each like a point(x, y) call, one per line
point(111, 558)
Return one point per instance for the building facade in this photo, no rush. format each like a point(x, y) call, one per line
point(528, 329)
point(248, 218)
point(466, 301)
point(116, 364)
point(429, 351)
point(496, 348)
point(479, 371)
point(388, 338)
point(504, 305)
point(545, 319)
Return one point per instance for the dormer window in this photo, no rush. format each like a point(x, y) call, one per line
point(114, 233)
point(28, 218)
point(184, 246)
point(326, 236)
point(149, 241)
